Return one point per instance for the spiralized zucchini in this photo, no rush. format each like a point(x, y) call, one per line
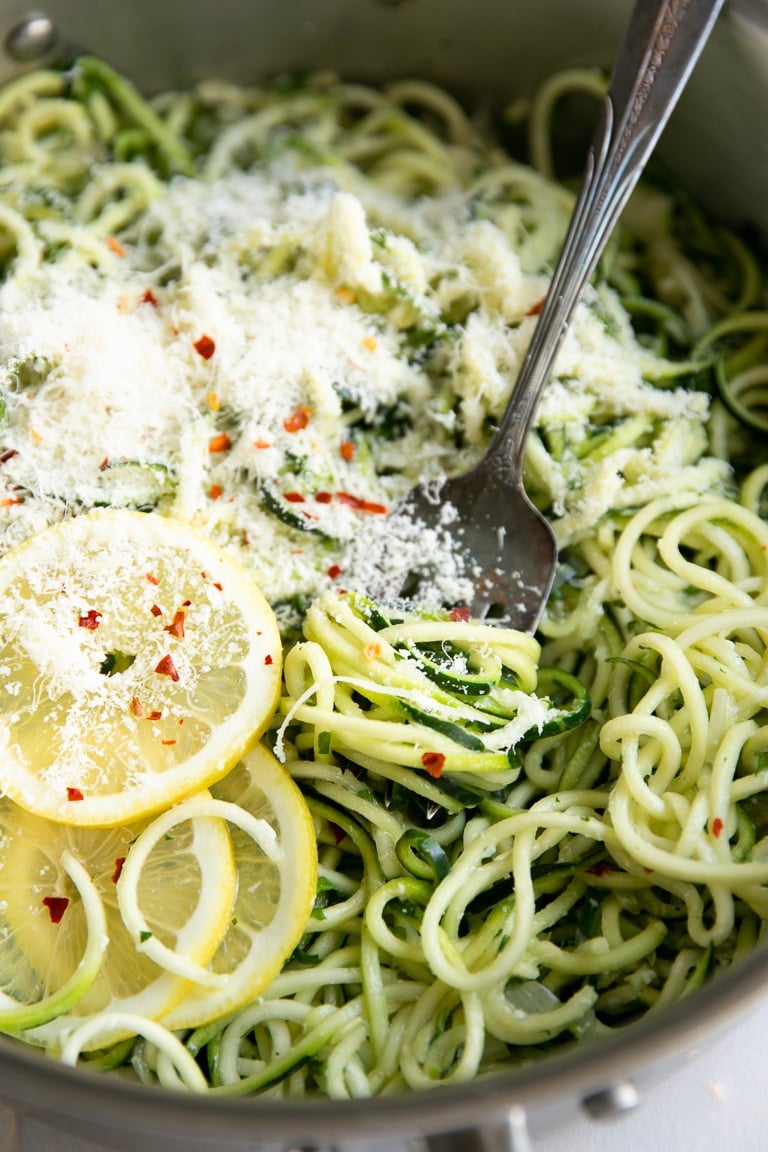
point(522, 841)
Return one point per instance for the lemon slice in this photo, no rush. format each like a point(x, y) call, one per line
point(277, 883)
point(16, 1016)
point(138, 663)
point(186, 892)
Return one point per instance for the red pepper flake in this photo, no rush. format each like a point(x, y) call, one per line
point(294, 497)
point(298, 419)
point(176, 626)
point(334, 571)
point(156, 610)
point(166, 667)
point(219, 443)
point(372, 651)
point(434, 763)
point(152, 579)
point(149, 297)
point(74, 794)
point(268, 660)
point(599, 869)
point(215, 491)
point(155, 716)
point(9, 501)
point(361, 505)
point(57, 906)
point(136, 708)
point(91, 620)
point(262, 444)
point(205, 347)
point(115, 246)
point(536, 308)
point(347, 450)
point(104, 464)
point(460, 615)
point(336, 832)
point(217, 585)
point(119, 861)
point(169, 743)
point(323, 497)
point(186, 603)
point(8, 454)
point(717, 826)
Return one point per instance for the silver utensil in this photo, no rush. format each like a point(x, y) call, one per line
point(509, 546)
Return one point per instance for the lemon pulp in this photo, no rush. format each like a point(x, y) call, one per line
point(186, 894)
point(142, 665)
point(139, 663)
point(275, 894)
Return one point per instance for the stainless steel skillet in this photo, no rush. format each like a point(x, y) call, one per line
point(488, 48)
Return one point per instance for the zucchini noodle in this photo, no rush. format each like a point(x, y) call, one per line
point(523, 841)
point(16, 1017)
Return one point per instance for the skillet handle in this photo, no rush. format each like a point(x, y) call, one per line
point(508, 1135)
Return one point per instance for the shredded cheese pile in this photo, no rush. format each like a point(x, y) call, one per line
point(263, 355)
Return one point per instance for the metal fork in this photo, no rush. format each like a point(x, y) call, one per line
point(509, 547)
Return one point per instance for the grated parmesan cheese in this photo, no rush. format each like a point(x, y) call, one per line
point(253, 363)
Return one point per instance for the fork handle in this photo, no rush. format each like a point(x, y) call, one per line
point(661, 44)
